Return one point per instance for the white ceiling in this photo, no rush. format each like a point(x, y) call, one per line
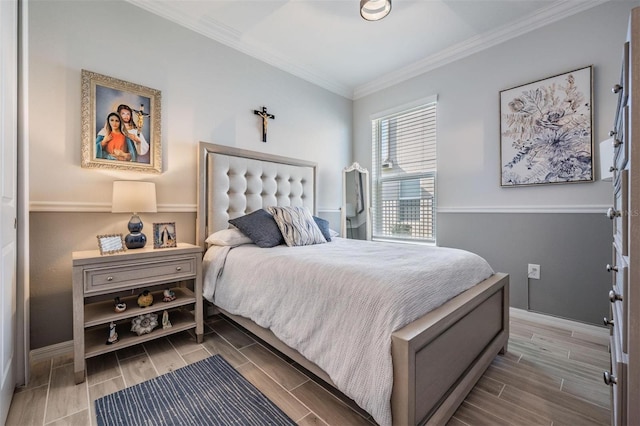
point(327, 42)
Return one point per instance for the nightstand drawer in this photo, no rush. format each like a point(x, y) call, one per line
point(138, 274)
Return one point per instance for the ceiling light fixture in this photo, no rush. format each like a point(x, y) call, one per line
point(374, 10)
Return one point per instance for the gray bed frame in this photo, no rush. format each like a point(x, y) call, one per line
point(437, 359)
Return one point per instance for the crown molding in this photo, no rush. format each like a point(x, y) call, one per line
point(230, 37)
point(476, 44)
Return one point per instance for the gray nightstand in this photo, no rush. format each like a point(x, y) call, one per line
point(97, 280)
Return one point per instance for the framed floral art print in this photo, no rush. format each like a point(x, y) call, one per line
point(546, 131)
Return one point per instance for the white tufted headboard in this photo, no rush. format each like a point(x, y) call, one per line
point(233, 182)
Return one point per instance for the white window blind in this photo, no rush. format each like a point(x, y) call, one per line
point(404, 175)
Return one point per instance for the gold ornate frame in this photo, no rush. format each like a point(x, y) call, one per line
point(102, 95)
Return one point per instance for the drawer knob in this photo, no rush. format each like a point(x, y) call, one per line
point(616, 89)
point(109, 278)
point(607, 322)
point(616, 142)
point(612, 268)
point(178, 268)
point(609, 379)
point(613, 296)
point(612, 213)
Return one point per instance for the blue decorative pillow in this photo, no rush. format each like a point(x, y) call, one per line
point(324, 227)
point(261, 227)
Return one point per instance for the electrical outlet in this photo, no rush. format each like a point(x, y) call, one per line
point(533, 271)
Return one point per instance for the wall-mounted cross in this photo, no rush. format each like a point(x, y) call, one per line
point(265, 115)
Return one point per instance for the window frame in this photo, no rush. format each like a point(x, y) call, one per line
point(382, 147)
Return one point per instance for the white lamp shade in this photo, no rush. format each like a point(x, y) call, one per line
point(373, 10)
point(606, 159)
point(133, 197)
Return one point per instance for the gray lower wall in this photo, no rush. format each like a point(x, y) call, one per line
point(53, 238)
point(571, 249)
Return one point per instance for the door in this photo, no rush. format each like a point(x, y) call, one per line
point(8, 198)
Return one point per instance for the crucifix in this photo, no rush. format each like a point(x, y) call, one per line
point(265, 115)
point(141, 116)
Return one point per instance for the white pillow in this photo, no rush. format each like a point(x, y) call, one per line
point(297, 226)
point(228, 237)
point(333, 233)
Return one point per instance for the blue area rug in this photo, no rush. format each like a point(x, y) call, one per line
point(208, 392)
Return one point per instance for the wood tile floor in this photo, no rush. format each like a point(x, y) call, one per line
point(551, 375)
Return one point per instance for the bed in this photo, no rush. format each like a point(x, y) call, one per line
point(434, 357)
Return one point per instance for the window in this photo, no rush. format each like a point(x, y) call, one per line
point(404, 174)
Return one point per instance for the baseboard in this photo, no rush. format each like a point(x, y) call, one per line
point(64, 348)
point(557, 321)
point(51, 351)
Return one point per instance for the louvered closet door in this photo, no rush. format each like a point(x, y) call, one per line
point(624, 296)
point(631, 127)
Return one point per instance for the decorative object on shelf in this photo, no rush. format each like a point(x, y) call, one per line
point(168, 295)
point(265, 116)
point(164, 235)
point(145, 299)
point(113, 334)
point(165, 320)
point(374, 10)
point(118, 305)
point(144, 324)
point(105, 98)
point(134, 197)
point(546, 131)
point(110, 244)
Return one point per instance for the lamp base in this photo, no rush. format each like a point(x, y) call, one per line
point(135, 240)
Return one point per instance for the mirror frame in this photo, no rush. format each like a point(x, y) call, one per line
point(365, 194)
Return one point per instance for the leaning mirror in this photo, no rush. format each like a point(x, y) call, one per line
point(355, 211)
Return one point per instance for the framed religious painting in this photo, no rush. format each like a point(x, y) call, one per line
point(546, 131)
point(164, 235)
point(121, 126)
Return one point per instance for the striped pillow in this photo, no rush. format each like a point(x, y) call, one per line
point(297, 226)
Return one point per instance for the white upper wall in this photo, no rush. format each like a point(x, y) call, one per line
point(468, 110)
point(209, 92)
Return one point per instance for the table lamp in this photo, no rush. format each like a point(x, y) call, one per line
point(134, 197)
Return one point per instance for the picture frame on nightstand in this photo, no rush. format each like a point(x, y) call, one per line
point(164, 235)
point(111, 243)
